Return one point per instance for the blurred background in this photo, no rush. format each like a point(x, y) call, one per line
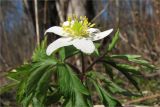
point(23, 23)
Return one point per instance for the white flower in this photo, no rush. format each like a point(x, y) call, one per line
point(76, 32)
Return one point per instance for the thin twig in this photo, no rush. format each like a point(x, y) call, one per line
point(151, 75)
point(143, 99)
point(36, 19)
point(101, 12)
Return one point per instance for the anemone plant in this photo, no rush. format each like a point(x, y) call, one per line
point(50, 78)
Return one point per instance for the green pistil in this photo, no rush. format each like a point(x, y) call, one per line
point(78, 26)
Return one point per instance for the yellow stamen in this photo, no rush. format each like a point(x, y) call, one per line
point(77, 27)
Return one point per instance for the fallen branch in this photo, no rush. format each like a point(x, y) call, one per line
point(143, 99)
point(151, 75)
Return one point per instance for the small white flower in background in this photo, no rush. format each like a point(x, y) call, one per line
point(76, 32)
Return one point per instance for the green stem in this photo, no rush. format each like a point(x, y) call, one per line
point(82, 65)
point(95, 61)
point(83, 62)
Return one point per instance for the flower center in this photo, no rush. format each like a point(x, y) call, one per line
point(77, 27)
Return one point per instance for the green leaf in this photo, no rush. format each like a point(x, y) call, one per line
point(79, 100)
point(27, 100)
point(143, 62)
point(43, 85)
point(126, 56)
point(36, 103)
point(77, 83)
point(8, 87)
point(105, 97)
point(130, 78)
point(34, 78)
point(134, 58)
point(53, 98)
point(96, 52)
point(129, 68)
point(36, 74)
point(68, 81)
point(68, 51)
point(21, 91)
point(123, 71)
point(64, 80)
point(40, 51)
point(114, 88)
point(114, 41)
point(108, 70)
point(62, 53)
point(110, 85)
point(74, 92)
point(20, 72)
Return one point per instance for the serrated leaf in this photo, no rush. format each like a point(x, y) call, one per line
point(43, 85)
point(135, 59)
point(143, 62)
point(53, 98)
point(68, 81)
point(130, 78)
point(71, 88)
point(64, 80)
point(40, 51)
point(129, 68)
point(36, 103)
point(8, 87)
point(114, 41)
point(20, 95)
point(114, 88)
point(108, 70)
point(79, 100)
point(27, 100)
point(126, 56)
point(77, 83)
point(20, 72)
point(34, 78)
point(124, 72)
point(105, 97)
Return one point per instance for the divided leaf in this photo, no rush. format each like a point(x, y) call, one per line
point(34, 78)
point(105, 97)
point(124, 70)
point(135, 59)
point(74, 92)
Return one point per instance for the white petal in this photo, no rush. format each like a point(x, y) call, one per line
point(101, 35)
point(56, 30)
point(84, 45)
point(93, 30)
point(61, 42)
